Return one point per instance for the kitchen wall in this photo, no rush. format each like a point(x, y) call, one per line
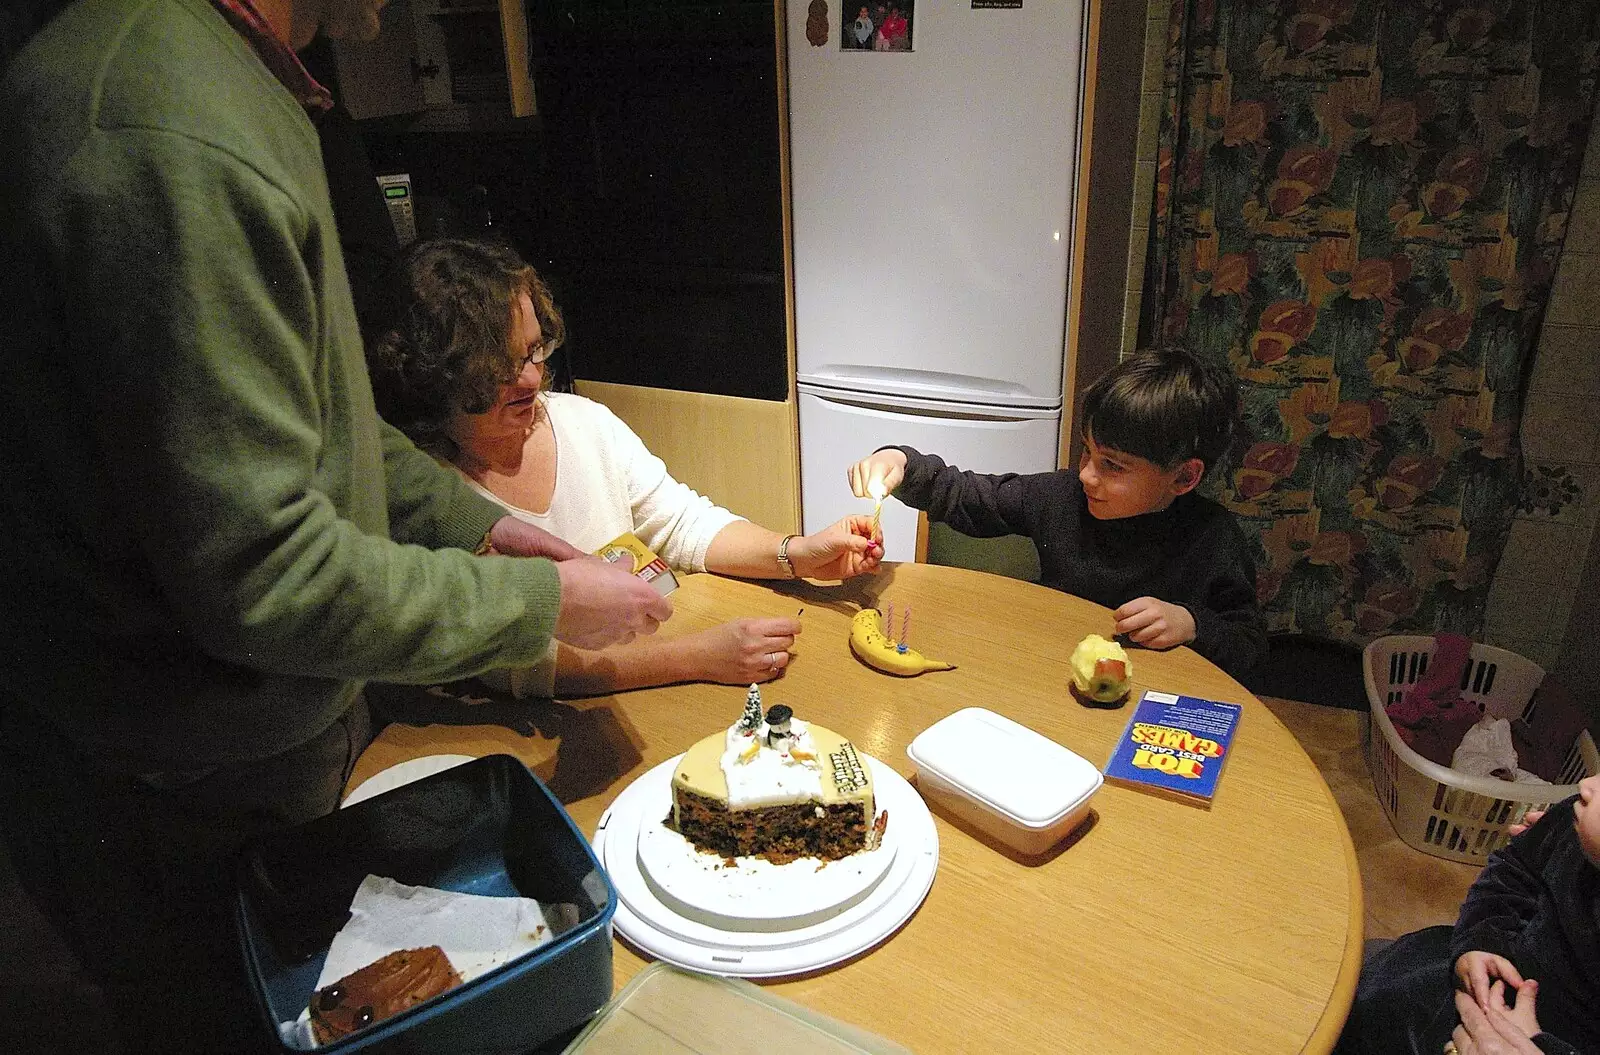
point(1545, 599)
point(1144, 169)
point(1538, 605)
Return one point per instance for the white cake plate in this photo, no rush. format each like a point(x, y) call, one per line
point(403, 773)
point(706, 942)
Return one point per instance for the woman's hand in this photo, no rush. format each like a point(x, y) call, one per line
point(743, 651)
point(838, 551)
point(1476, 971)
point(1529, 819)
point(1154, 623)
point(1496, 1029)
point(885, 469)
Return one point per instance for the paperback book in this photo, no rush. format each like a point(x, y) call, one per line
point(1175, 746)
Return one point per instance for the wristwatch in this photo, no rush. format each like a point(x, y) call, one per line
point(783, 556)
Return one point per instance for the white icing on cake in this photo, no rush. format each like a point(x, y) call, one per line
point(759, 775)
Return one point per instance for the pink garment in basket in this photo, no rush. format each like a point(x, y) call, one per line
point(1558, 720)
point(1432, 716)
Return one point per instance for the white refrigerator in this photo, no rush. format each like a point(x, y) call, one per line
point(933, 196)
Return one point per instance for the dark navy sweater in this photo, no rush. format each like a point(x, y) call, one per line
point(1192, 553)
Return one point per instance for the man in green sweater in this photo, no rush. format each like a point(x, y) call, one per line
point(208, 539)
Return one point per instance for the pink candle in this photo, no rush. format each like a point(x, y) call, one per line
point(905, 627)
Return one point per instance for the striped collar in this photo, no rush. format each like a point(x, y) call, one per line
point(278, 56)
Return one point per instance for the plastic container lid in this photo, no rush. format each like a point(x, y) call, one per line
point(667, 1009)
point(1008, 767)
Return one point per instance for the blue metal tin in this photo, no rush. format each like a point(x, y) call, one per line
point(487, 827)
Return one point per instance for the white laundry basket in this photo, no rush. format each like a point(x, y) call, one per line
point(1432, 807)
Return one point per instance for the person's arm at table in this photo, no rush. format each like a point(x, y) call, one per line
point(1224, 624)
point(690, 531)
point(738, 652)
point(431, 505)
point(226, 417)
point(982, 505)
point(839, 551)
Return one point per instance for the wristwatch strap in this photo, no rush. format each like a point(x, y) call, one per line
point(783, 556)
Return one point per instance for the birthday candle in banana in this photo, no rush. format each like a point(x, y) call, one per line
point(872, 639)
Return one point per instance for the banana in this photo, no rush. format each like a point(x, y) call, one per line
point(871, 642)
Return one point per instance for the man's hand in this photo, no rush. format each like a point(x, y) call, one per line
point(1477, 970)
point(518, 538)
point(838, 551)
point(877, 475)
point(1154, 623)
point(1496, 1029)
point(605, 604)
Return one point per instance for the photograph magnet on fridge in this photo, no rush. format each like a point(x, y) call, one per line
point(876, 26)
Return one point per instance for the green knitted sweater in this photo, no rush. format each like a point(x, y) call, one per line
point(208, 538)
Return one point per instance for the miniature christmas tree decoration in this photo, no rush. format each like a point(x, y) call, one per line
point(750, 721)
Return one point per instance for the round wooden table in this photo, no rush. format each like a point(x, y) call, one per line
point(1159, 926)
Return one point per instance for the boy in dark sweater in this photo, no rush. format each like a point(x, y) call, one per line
point(1528, 932)
point(1126, 530)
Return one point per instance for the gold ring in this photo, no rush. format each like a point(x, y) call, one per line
point(1450, 1048)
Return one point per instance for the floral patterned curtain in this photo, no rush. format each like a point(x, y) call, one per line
point(1359, 207)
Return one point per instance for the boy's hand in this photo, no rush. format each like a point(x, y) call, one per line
point(1477, 970)
point(885, 468)
point(1524, 1015)
point(1153, 623)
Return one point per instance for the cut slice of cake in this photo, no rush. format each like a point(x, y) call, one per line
point(775, 787)
point(382, 988)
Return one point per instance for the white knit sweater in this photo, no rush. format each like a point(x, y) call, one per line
point(608, 483)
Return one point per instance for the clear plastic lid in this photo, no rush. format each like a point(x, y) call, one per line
point(667, 1009)
point(1017, 772)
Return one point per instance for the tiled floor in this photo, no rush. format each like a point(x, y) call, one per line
point(1404, 889)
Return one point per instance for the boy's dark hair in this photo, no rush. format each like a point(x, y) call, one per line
point(1165, 406)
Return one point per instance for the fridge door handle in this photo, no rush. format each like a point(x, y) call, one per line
point(927, 408)
point(934, 385)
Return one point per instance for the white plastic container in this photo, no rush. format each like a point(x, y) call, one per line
point(1008, 781)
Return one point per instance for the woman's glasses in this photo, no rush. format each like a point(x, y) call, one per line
point(538, 354)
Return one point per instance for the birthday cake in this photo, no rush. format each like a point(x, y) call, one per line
point(775, 787)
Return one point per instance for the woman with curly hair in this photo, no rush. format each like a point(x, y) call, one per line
point(463, 374)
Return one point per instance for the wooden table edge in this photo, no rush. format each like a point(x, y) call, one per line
point(1331, 1024)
